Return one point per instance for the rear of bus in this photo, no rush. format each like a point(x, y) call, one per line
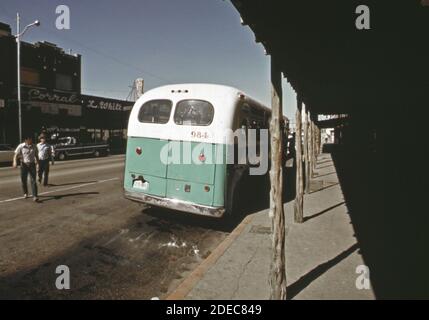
point(166, 121)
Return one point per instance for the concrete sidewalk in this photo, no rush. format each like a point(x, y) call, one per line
point(321, 254)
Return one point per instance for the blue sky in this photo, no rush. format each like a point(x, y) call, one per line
point(162, 41)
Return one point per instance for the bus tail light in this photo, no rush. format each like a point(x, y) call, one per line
point(202, 157)
point(139, 150)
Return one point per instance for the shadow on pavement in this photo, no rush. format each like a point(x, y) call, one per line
point(43, 199)
point(69, 184)
point(324, 188)
point(323, 211)
point(305, 280)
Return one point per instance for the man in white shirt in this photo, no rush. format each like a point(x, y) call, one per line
point(45, 154)
point(27, 153)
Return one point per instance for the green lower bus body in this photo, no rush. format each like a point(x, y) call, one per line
point(197, 186)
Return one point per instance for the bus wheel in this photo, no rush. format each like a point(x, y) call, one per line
point(62, 156)
point(234, 212)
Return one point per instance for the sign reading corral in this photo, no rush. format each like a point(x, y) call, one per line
point(52, 97)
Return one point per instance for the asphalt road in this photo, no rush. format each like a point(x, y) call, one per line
point(114, 248)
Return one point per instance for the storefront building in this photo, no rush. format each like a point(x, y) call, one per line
point(51, 95)
point(106, 119)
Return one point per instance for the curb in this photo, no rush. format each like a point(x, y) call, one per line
point(190, 282)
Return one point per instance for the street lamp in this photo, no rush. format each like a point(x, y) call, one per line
point(18, 36)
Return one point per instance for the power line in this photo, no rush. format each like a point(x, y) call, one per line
point(111, 57)
point(107, 56)
point(104, 90)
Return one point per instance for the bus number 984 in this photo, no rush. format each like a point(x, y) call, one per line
point(199, 135)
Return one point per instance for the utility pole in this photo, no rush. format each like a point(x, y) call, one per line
point(278, 263)
point(18, 57)
point(18, 36)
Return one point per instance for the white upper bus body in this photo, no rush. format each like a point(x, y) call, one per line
point(226, 101)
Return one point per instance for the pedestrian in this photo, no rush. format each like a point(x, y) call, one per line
point(26, 152)
point(46, 154)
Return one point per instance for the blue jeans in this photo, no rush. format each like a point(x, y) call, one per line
point(44, 171)
point(25, 170)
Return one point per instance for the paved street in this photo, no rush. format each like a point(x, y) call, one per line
point(115, 248)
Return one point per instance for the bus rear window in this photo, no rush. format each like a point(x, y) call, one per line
point(155, 111)
point(194, 113)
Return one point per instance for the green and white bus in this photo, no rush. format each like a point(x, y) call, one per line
point(194, 117)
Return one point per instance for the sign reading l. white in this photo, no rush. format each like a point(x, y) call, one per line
point(104, 105)
point(107, 104)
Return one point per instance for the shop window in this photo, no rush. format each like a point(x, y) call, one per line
point(30, 77)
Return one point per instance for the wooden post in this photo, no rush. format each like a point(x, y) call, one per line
point(311, 150)
point(278, 264)
point(306, 149)
point(299, 198)
point(314, 139)
point(316, 144)
point(318, 141)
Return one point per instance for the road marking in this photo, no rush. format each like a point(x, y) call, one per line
point(101, 159)
point(58, 162)
point(65, 172)
point(63, 189)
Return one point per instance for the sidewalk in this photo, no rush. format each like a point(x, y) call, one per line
point(321, 254)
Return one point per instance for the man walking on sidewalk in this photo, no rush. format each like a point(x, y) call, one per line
point(45, 154)
point(27, 153)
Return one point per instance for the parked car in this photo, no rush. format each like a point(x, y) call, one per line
point(66, 147)
point(6, 153)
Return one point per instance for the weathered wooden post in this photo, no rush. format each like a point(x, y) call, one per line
point(299, 198)
point(318, 141)
point(278, 265)
point(311, 150)
point(316, 144)
point(314, 130)
point(306, 151)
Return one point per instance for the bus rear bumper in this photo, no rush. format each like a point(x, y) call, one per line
point(174, 204)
